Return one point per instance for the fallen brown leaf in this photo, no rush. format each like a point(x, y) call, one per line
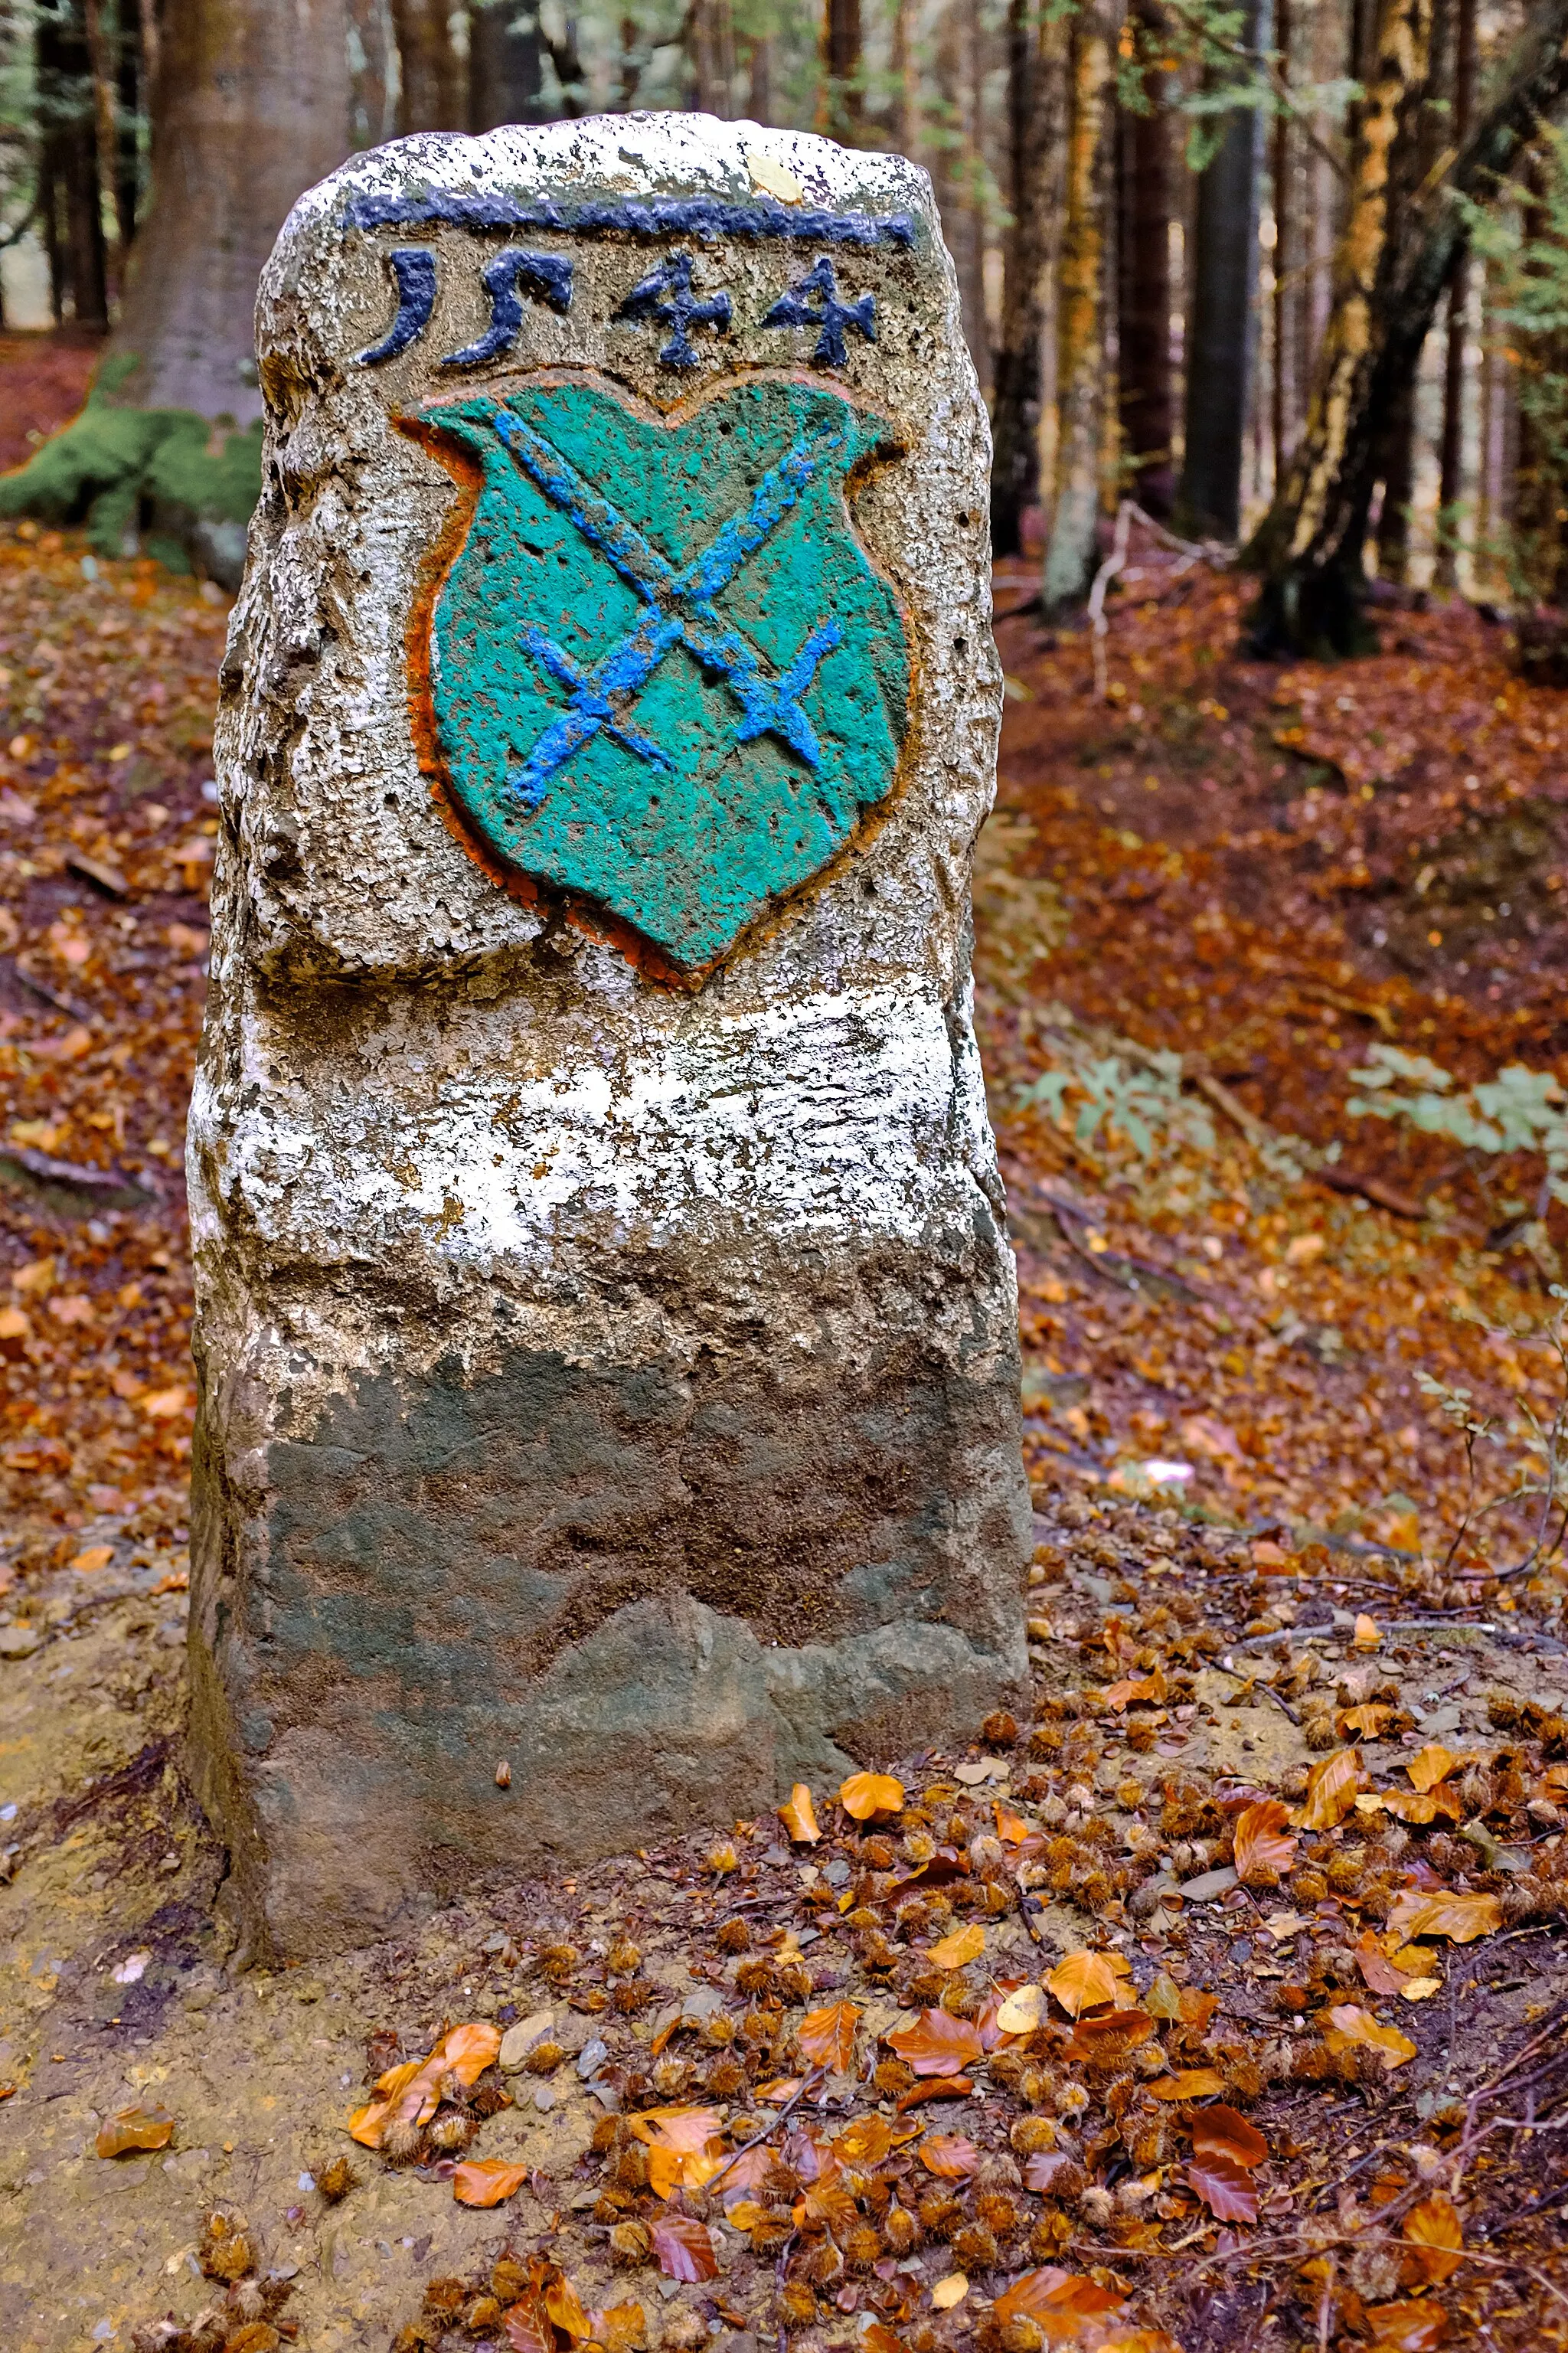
point(134, 2129)
point(826, 2036)
point(1226, 2188)
point(487, 2181)
point(1084, 1980)
point(1461, 1916)
point(683, 2248)
point(1264, 1849)
point(961, 1945)
point(1347, 2023)
point(1331, 1792)
point(938, 2044)
point(865, 1794)
point(1193, 2083)
point(798, 1816)
point(949, 2155)
point(1436, 2236)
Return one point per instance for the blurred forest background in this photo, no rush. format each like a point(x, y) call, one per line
point(1293, 273)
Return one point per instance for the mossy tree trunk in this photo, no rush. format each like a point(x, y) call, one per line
point(1073, 552)
point(252, 107)
point(1396, 258)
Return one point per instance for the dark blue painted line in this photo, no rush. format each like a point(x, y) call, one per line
point(700, 216)
point(794, 309)
point(666, 294)
point(413, 267)
point(544, 275)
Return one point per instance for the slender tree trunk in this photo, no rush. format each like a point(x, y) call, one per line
point(1222, 326)
point(906, 82)
point(147, 25)
point(432, 95)
point(66, 85)
point(253, 108)
point(1280, 164)
point(950, 164)
point(1395, 259)
point(844, 97)
point(975, 185)
point(760, 78)
point(133, 93)
point(1451, 458)
point(506, 65)
point(1032, 106)
point(50, 211)
point(1434, 129)
point(1144, 388)
point(105, 122)
point(711, 55)
point(1321, 517)
point(1398, 486)
point(1073, 551)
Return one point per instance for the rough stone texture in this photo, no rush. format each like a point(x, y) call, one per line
point(608, 1365)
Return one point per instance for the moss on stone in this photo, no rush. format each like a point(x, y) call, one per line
point(164, 477)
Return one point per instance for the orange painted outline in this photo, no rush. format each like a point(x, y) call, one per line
point(585, 914)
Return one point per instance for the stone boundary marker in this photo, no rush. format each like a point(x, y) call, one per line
point(605, 1328)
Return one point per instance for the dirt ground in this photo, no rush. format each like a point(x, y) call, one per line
point(1273, 1877)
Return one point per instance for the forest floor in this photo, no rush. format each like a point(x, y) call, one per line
point(1223, 2000)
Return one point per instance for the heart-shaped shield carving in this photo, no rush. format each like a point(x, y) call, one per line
point(662, 675)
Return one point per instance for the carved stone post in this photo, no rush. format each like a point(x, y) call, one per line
point(606, 1326)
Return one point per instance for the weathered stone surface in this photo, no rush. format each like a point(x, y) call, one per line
point(606, 1326)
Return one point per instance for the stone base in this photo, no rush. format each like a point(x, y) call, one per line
point(658, 1600)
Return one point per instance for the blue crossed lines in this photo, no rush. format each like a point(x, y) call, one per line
point(678, 611)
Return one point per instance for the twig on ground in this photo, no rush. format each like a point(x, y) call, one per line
point(808, 2086)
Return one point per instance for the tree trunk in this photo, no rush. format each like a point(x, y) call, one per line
point(432, 95)
point(953, 165)
point(49, 212)
point(1222, 326)
point(1398, 486)
point(105, 122)
point(70, 144)
point(1451, 458)
point(906, 80)
point(506, 65)
point(975, 184)
point(1434, 127)
point(253, 108)
point(759, 78)
point(1147, 411)
point(1396, 258)
point(1073, 553)
point(1280, 167)
point(844, 97)
point(132, 87)
point(1032, 93)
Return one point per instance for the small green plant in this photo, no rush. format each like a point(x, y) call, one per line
point(1142, 1108)
point(1519, 1111)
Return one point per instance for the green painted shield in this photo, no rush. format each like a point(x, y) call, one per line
point(664, 675)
